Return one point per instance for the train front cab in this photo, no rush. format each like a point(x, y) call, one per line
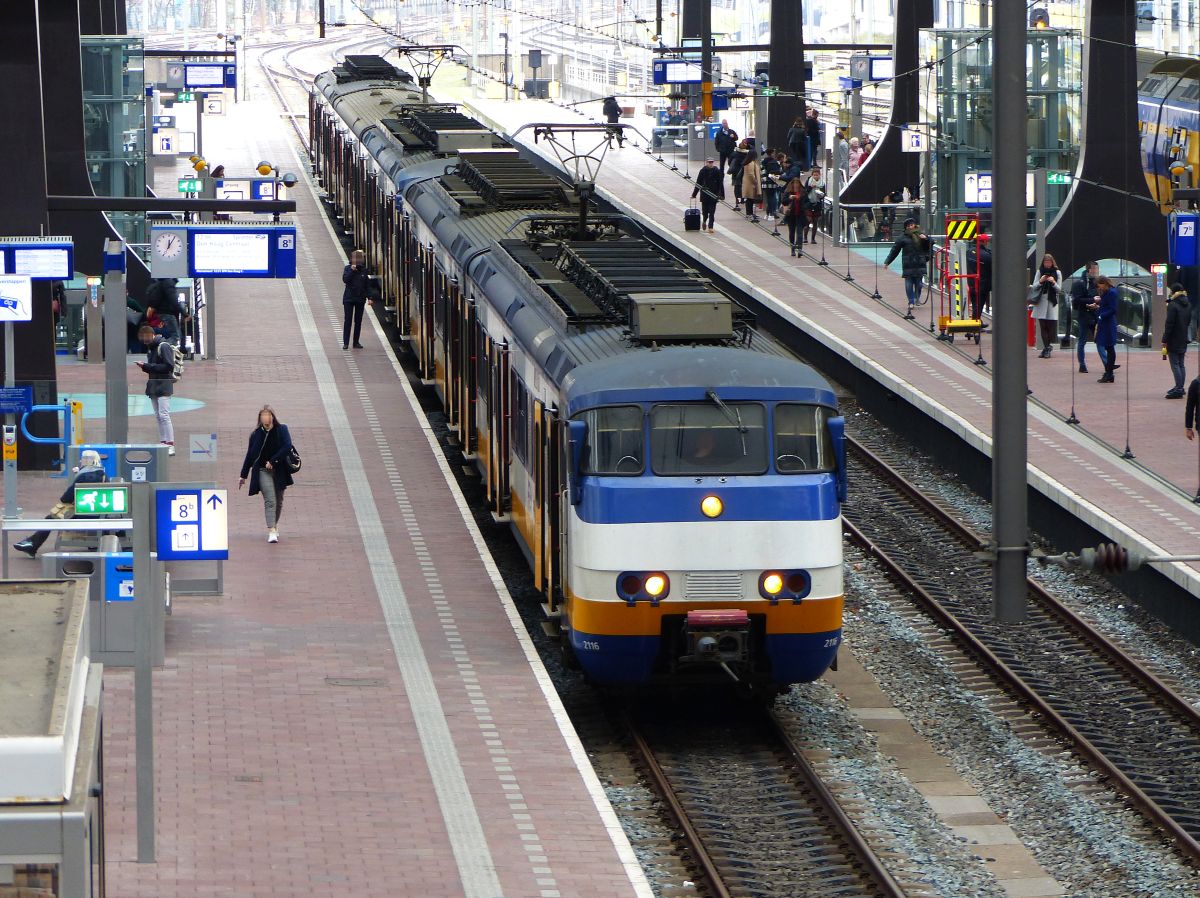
point(703, 539)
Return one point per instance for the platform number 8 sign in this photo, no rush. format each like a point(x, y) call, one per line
point(185, 509)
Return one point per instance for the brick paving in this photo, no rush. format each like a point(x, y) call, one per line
point(288, 756)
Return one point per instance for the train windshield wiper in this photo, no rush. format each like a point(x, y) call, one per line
point(735, 420)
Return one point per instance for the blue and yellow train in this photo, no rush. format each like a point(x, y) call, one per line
point(673, 476)
point(1169, 121)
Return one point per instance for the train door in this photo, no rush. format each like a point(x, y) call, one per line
point(536, 468)
point(498, 448)
point(546, 445)
point(408, 270)
point(453, 350)
point(470, 382)
point(425, 316)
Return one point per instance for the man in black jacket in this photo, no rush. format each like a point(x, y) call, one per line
point(1084, 302)
point(725, 142)
point(162, 296)
point(980, 262)
point(1175, 337)
point(354, 297)
point(913, 248)
point(612, 114)
point(89, 471)
point(710, 186)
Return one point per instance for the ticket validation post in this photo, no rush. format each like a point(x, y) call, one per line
point(16, 304)
point(211, 250)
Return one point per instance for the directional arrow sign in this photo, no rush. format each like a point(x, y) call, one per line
point(214, 500)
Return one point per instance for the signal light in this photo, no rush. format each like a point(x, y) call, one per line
point(643, 586)
point(712, 506)
point(656, 584)
point(772, 583)
point(776, 585)
point(264, 168)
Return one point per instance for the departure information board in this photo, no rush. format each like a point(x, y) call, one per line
point(238, 253)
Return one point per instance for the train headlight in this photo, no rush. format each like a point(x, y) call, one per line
point(776, 585)
point(712, 506)
point(656, 585)
point(643, 586)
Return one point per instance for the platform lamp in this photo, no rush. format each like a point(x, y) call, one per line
point(286, 178)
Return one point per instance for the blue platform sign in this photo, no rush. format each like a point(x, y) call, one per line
point(118, 577)
point(241, 251)
point(198, 75)
point(15, 400)
point(191, 524)
point(41, 258)
point(1183, 238)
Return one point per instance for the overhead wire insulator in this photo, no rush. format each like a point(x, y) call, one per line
point(1108, 558)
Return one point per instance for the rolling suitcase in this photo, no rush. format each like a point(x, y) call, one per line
point(691, 219)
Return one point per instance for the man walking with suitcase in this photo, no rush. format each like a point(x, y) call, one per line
point(710, 186)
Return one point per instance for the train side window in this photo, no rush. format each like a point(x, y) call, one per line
point(615, 440)
point(802, 441)
point(707, 438)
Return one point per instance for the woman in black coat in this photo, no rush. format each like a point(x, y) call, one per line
point(267, 466)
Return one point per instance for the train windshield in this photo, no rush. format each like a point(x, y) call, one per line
point(802, 441)
point(615, 443)
point(708, 438)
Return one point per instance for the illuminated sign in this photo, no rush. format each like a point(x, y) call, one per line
point(40, 258)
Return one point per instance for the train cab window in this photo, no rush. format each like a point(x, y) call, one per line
point(802, 441)
point(708, 438)
point(615, 441)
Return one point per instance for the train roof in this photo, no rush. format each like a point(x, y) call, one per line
point(689, 373)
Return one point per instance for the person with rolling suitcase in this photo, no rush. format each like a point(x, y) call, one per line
point(710, 187)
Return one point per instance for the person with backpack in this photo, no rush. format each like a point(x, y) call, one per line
point(162, 302)
point(268, 465)
point(162, 367)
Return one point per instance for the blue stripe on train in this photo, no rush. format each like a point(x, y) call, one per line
point(629, 500)
point(623, 660)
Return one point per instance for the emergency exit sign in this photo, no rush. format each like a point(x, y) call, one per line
point(189, 185)
point(100, 500)
point(1059, 178)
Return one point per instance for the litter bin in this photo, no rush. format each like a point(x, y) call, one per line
point(112, 603)
point(131, 462)
point(701, 143)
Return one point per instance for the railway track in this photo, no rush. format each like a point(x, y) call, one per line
point(755, 816)
point(1129, 724)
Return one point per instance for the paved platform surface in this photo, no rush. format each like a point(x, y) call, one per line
point(361, 713)
point(1143, 502)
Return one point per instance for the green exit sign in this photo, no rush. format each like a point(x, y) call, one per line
point(101, 499)
point(189, 185)
point(184, 96)
point(770, 91)
point(1058, 177)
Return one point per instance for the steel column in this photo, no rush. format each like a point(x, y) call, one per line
point(785, 69)
point(1009, 525)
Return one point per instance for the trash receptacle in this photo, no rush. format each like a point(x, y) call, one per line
point(701, 142)
point(112, 603)
point(131, 462)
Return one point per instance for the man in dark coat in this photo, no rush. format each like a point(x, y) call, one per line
point(1175, 337)
point(736, 163)
point(160, 382)
point(612, 113)
point(89, 471)
point(980, 262)
point(725, 142)
point(710, 187)
point(354, 297)
point(162, 296)
point(1083, 307)
point(913, 248)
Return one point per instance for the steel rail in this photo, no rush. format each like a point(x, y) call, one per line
point(1185, 841)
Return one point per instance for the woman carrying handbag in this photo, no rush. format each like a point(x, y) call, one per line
point(269, 466)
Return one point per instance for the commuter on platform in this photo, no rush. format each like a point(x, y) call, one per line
point(354, 297)
point(812, 128)
point(160, 382)
point(814, 200)
point(89, 471)
point(1043, 302)
point(797, 141)
point(913, 248)
point(855, 158)
point(1175, 337)
point(1190, 416)
point(710, 187)
point(751, 184)
point(268, 467)
point(980, 262)
point(736, 161)
point(794, 215)
point(162, 298)
point(1083, 308)
point(841, 154)
point(772, 174)
point(725, 142)
point(1106, 327)
point(612, 113)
